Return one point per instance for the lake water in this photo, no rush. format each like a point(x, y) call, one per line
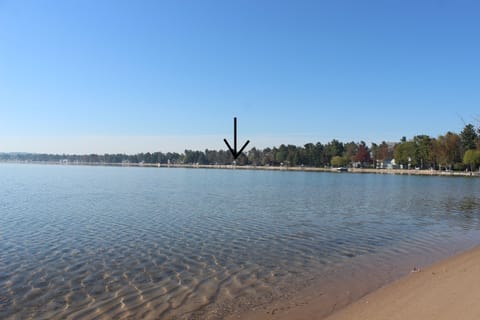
point(90, 242)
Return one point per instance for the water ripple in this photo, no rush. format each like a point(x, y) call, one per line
point(126, 243)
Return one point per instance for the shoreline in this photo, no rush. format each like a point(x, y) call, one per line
point(443, 290)
point(263, 168)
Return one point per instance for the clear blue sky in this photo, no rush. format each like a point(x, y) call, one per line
point(291, 71)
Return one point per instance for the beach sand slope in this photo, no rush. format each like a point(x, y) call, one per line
point(447, 290)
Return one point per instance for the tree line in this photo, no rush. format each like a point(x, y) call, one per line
point(450, 151)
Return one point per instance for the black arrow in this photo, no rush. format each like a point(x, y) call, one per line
point(234, 152)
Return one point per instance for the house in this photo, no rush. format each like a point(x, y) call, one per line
point(385, 164)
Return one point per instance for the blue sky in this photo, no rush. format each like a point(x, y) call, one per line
point(85, 76)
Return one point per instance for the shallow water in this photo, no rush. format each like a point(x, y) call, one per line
point(102, 242)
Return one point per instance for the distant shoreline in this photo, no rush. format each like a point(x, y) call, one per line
point(252, 167)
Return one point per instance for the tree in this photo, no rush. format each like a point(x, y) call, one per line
point(447, 150)
point(404, 153)
point(423, 150)
point(338, 161)
point(268, 156)
point(363, 154)
point(255, 156)
point(469, 137)
point(319, 155)
point(309, 154)
point(332, 149)
point(385, 151)
point(472, 158)
point(293, 157)
point(350, 150)
point(281, 154)
point(381, 152)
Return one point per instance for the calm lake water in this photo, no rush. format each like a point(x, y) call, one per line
point(91, 242)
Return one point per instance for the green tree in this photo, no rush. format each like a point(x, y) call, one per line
point(332, 149)
point(472, 159)
point(319, 155)
point(255, 156)
point(293, 156)
point(469, 137)
point(423, 150)
point(338, 161)
point(350, 150)
point(404, 153)
point(268, 156)
point(281, 154)
point(309, 154)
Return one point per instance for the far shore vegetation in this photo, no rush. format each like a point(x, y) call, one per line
point(451, 151)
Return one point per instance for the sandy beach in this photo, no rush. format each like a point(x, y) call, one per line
point(446, 290)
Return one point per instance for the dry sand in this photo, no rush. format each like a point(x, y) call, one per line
point(449, 289)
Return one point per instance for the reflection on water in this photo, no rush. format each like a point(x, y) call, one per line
point(84, 242)
point(466, 205)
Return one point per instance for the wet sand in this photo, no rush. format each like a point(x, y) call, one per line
point(448, 289)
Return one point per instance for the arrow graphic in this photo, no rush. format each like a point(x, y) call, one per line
point(234, 152)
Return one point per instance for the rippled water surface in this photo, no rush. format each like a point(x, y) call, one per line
point(92, 242)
